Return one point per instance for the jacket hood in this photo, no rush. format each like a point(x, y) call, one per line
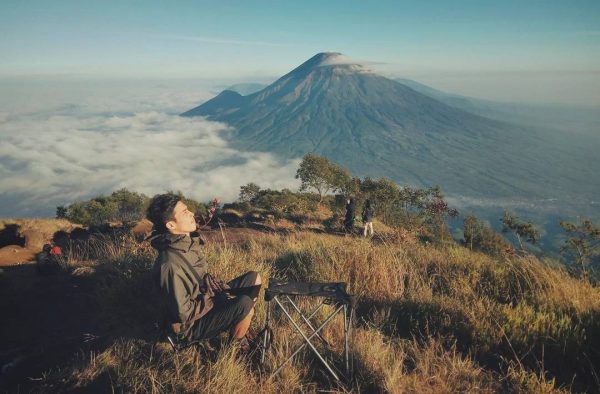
point(183, 242)
point(162, 241)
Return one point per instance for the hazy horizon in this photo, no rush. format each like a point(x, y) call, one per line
point(516, 88)
point(518, 52)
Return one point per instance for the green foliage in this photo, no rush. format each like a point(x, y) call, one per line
point(275, 200)
point(582, 243)
point(385, 194)
point(318, 173)
point(435, 212)
point(397, 206)
point(121, 206)
point(130, 205)
point(350, 186)
point(61, 212)
point(407, 206)
point(249, 192)
point(521, 229)
point(93, 212)
point(478, 236)
point(279, 203)
point(238, 206)
point(285, 202)
point(78, 213)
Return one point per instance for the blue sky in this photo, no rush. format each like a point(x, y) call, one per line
point(474, 45)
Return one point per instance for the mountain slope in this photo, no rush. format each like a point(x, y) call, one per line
point(582, 120)
point(380, 127)
point(247, 88)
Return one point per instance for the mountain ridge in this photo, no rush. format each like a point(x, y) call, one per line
point(380, 127)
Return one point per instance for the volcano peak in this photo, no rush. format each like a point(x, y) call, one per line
point(340, 62)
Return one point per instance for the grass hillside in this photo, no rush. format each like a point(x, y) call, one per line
point(431, 318)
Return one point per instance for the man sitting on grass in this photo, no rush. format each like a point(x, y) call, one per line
point(198, 305)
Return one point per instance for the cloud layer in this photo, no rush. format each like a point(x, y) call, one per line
point(51, 158)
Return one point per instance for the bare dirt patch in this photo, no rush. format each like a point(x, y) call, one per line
point(15, 255)
point(21, 239)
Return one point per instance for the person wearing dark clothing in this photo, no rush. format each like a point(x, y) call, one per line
point(367, 217)
point(51, 260)
point(197, 305)
point(350, 215)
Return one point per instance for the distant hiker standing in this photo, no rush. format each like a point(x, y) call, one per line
point(350, 215)
point(367, 217)
point(198, 306)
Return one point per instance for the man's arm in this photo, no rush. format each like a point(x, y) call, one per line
point(179, 300)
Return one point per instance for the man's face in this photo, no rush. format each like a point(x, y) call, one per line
point(183, 221)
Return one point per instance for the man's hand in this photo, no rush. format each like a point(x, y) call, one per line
point(217, 288)
point(221, 296)
point(215, 284)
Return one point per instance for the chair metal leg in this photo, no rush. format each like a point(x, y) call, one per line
point(307, 320)
point(346, 326)
point(307, 339)
point(266, 334)
point(173, 344)
point(331, 316)
point(316, 310)
point(351, 333)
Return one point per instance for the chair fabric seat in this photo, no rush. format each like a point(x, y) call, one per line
point(334, 290)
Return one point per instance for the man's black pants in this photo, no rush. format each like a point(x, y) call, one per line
point(228, 312)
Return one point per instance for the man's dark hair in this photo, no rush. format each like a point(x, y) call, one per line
point(160, 210)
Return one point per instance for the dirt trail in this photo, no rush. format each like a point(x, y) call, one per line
point(15, 255)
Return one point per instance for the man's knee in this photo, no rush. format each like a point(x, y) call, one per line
point(246, 305)
point(257, 278)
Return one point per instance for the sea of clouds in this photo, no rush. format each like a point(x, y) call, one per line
point(89, 139)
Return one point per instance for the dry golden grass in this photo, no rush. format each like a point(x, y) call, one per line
point(406, 366)
point(431, 320)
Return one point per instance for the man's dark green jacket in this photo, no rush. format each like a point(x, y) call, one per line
point(184, 297)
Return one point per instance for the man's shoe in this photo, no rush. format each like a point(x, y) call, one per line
point(246, 345)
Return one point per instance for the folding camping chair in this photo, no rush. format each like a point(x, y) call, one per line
point(163, 333)
point(333, 294)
